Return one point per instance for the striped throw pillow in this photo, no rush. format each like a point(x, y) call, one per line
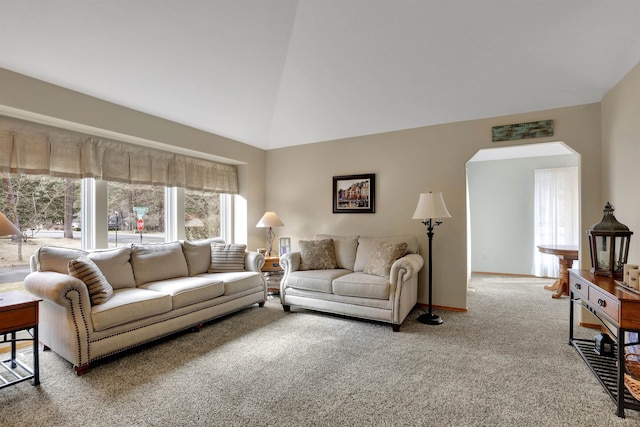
point(86, 270)
point(225, 258)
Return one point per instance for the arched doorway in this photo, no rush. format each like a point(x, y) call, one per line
point(500, 204)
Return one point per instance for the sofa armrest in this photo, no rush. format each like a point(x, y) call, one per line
point(54, 287)
point(405, 268)
point(290, 262)
point(65, 314)
point(253, 261)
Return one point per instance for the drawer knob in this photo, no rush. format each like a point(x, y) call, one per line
point(577, 286)
point(601, 302)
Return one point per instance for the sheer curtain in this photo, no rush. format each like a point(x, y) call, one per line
point(556, 217)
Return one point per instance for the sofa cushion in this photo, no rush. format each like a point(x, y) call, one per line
point(188, 290)
point(367, 245)
point(345, 249)
point(362, 285)
point(86, 270)
point(317, 254)
point(55, 258)
point(225, 258)
point(198, 254)
point(385, 254)
point(115, 265)
point(237, 282)
point(128, 305)
point(314, 280)
point(158, 261)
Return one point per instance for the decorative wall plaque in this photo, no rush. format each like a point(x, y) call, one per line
point(529, 130)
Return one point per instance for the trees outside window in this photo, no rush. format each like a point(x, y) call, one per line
point(43, 208)
point(201, 215)
point(133, 202)
point(48, 211)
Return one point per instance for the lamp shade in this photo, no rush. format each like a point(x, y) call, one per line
point(6, 227)
point(431, 205)
point(270, 219)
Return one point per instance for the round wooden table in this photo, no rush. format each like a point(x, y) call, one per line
point(566, 255)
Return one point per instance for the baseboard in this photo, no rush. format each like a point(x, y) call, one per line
point(6, 347)
point(440, 307)
point(488, 273)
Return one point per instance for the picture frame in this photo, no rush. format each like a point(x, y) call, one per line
point(354, 193)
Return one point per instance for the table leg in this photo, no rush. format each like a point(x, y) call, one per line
point(563, 280)
point(36, 357)
point(13, 349)
point(553, 287)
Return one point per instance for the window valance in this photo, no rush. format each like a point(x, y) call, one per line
point(37, 149)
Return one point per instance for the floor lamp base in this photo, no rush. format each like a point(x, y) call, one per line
point(430, 319)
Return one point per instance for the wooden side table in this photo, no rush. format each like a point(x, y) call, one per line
point(273, 273)
point(18, 312)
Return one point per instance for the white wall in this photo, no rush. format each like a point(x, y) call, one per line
point(296, 181)
point(501, 205)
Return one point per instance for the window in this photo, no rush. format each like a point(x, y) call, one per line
point(46, 209)
point(129, 203)
point(556, 211)
point(202, 215)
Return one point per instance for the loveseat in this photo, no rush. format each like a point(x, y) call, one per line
point(369, 277)
point(97, 303)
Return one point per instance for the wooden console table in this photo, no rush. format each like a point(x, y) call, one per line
point(566, 255)
point(18, 312)
point(618, 310)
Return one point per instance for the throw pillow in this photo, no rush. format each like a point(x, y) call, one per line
point(115, 265)
point(345, 247)
point(53, 258)
point(317, 254)
point(384, 255)
point(225, 258)
point(86, 270)
point(158, 261)
point(198, 254)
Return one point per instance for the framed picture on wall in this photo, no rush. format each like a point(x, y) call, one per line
point(354, 193)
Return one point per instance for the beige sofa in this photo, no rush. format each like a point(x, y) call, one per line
point(368, 277)
point(154, 290)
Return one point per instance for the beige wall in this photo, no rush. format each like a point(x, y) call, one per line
point(296, 182)
point(621, 155)
point(407, 163)
point(24, 94)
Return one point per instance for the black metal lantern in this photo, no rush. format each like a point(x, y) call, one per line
point(609, 245)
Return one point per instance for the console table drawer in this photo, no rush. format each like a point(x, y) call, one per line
point(605, 304)
point(579, 288)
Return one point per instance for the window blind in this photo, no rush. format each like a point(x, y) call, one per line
point(32, 148)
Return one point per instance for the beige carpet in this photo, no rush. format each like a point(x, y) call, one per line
point(506, 362)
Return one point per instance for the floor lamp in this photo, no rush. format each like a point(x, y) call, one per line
point(431, 209)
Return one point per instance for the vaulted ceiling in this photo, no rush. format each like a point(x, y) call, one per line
point(277, 73)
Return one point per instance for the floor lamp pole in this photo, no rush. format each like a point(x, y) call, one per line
point(429, 318)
